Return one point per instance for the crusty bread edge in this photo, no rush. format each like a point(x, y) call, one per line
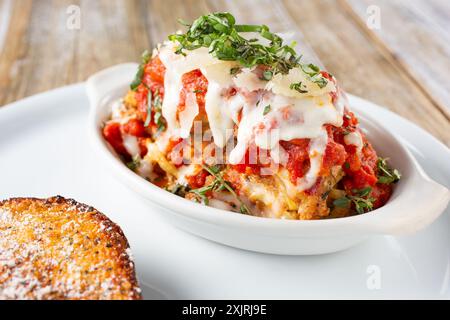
point(113, 231)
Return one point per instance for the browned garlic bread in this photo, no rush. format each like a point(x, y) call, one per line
point(57, 248)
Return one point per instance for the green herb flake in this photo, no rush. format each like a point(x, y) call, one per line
point(267, 75)
point(361, 200)
point(178, 189)
point(157, 117)
point(149, 108)
point(343, 202)
point(297, 87)
point(134, 164)
point(146, 56)
point(386, 175)
point(267, 109)
point(235, 70)
point(219, 184)
point(324, 195)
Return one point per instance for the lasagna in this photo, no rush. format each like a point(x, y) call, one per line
point(230, 116)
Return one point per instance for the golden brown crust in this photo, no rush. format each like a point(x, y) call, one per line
point(57, 248)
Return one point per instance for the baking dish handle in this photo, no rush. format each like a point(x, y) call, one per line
point(104, 82)
point(417, 207)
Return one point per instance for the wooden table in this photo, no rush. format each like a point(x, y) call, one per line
point(404, 64)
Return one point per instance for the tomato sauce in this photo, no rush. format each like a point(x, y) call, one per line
point(360, 168)
point(112, 132)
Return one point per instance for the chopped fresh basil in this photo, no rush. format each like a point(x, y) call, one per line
point(149, 108)
point(221, 35)
point(140, 73)
point(297, 87)
point(157, 117)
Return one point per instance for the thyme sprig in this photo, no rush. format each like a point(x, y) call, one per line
point(361, 200)
point(219, 184)
point(387, 175)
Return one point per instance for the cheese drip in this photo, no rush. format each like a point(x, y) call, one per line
point(269, 111)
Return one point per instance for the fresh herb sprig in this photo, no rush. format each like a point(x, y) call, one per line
point(221, 35)
point(146, 56)
point(157, 117)
point(148, 118)
point(219, 184)
point(361, 200)
point(387, 175)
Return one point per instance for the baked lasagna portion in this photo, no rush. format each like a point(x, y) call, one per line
point(229, 116)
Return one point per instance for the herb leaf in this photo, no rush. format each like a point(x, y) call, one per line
point(157, 117)
point(149, 108)
point(218, 184)
point(361, 200)
point(221, 35)
point(138, 78)
point(297, 87)
point(134, 164)
point(343, 202)
point(266, 109)
point(178, 189)
point(387, 175)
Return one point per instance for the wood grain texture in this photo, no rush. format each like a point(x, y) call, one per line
point(361, 67)
point(39, 52)
point(419, 43)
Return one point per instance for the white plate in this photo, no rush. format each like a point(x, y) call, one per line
point(44, 152)
point(401, 215)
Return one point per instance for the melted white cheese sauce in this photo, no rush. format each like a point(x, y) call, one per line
point(355, 139)
point(131, 144)
point(270, 110)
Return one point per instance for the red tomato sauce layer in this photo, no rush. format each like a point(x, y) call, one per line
point(360, 167)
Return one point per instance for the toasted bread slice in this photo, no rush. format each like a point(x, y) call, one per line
point(57, 248)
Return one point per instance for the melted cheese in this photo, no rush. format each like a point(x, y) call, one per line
point(292, 114)
point(355, 139)
point(131, 144)
point(188, 115)
point(316, 151)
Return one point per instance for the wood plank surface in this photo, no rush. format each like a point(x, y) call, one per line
point(404, 69)
point(419, 42)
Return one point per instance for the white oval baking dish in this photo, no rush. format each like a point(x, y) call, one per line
point(416, 202)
